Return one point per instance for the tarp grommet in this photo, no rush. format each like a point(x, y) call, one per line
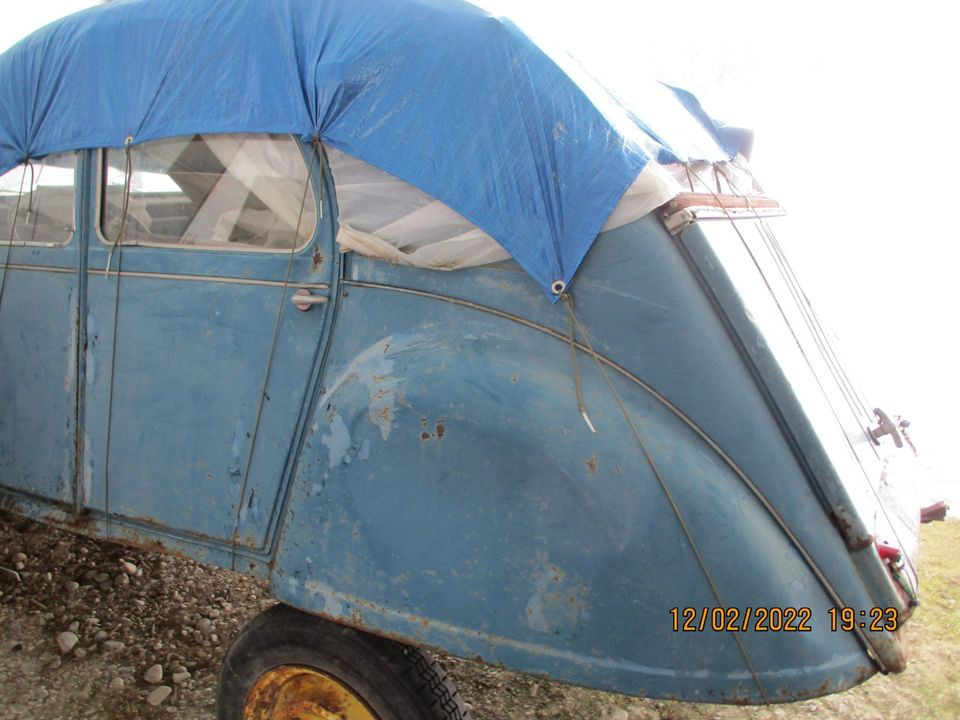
point(558, 287)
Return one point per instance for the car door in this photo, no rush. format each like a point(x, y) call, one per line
point(39, 296)
point(198, 363)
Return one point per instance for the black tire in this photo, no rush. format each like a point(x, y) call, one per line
point(395, 681)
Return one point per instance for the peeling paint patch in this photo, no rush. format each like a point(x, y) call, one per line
point(71, 348)
point(87, 475)
point(331, 603)
point(337, 441)
point(555, 605)
point(374, 369)
point(91, 357)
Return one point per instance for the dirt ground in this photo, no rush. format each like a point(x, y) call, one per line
point(84, 624)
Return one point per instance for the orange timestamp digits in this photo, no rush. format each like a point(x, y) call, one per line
point(875, 619)
point(734, 619)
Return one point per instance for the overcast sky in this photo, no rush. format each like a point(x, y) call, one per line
point(854, 107)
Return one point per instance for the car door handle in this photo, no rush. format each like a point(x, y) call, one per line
point(303, 300)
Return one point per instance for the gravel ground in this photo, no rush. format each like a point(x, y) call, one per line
point(95, 630)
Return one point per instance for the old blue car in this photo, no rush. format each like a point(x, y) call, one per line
point(388, 305)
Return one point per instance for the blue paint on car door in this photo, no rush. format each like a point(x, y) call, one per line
point(194, 333)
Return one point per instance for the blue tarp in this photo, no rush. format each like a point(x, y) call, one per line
point(439, 93)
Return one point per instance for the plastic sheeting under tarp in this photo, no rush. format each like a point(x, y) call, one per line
point(440, 94)
point(384, 217)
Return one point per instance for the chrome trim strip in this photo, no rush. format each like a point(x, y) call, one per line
point(209, 278)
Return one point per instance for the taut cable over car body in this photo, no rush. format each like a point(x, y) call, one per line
point(280, 292)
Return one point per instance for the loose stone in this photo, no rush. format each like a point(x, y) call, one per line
point(66, 642)
point(159, 694)
point(154, 674)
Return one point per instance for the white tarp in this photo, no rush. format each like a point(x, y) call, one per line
point(384, 217)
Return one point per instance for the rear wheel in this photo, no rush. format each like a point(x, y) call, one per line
point(289, 665)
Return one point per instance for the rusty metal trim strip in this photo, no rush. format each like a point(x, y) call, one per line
point(755, 491)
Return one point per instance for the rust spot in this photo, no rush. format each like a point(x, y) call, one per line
point(514, 377)
point(424, 436)
point(841, 523)
point(317, 260)
point(80, 520)
point(591, 464)
point(423, 422)
point(440, 430)
point(861, 543)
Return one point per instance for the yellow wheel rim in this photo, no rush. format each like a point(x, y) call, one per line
point(290, 692)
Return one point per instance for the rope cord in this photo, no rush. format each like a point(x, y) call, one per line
point(270, 356)
point(581, 405)
point(780, 257)
point(117, 245)
point(670, 499)
point(13, 229)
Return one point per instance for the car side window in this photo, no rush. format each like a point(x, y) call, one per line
point(45, 192)
point(241, 192)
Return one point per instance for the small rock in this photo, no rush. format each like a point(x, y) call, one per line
point(80, 653)
point(179, 677)
point(66, 642)
point(618, 714)
point(100, 636)
point(153, 675)
point(112, 646)
point(74, 626)
point(54, 663)
point(116, 684)
point(122, 579)
point(128, 567)
point(101, 577)
point(159, 694)
point(71, 585)
point(205, 626)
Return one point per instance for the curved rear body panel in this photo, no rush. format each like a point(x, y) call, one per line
point(449, 491)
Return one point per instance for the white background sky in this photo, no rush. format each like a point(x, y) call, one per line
point(854, 106)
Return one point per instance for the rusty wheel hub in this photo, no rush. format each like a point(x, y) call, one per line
point(290, 692)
